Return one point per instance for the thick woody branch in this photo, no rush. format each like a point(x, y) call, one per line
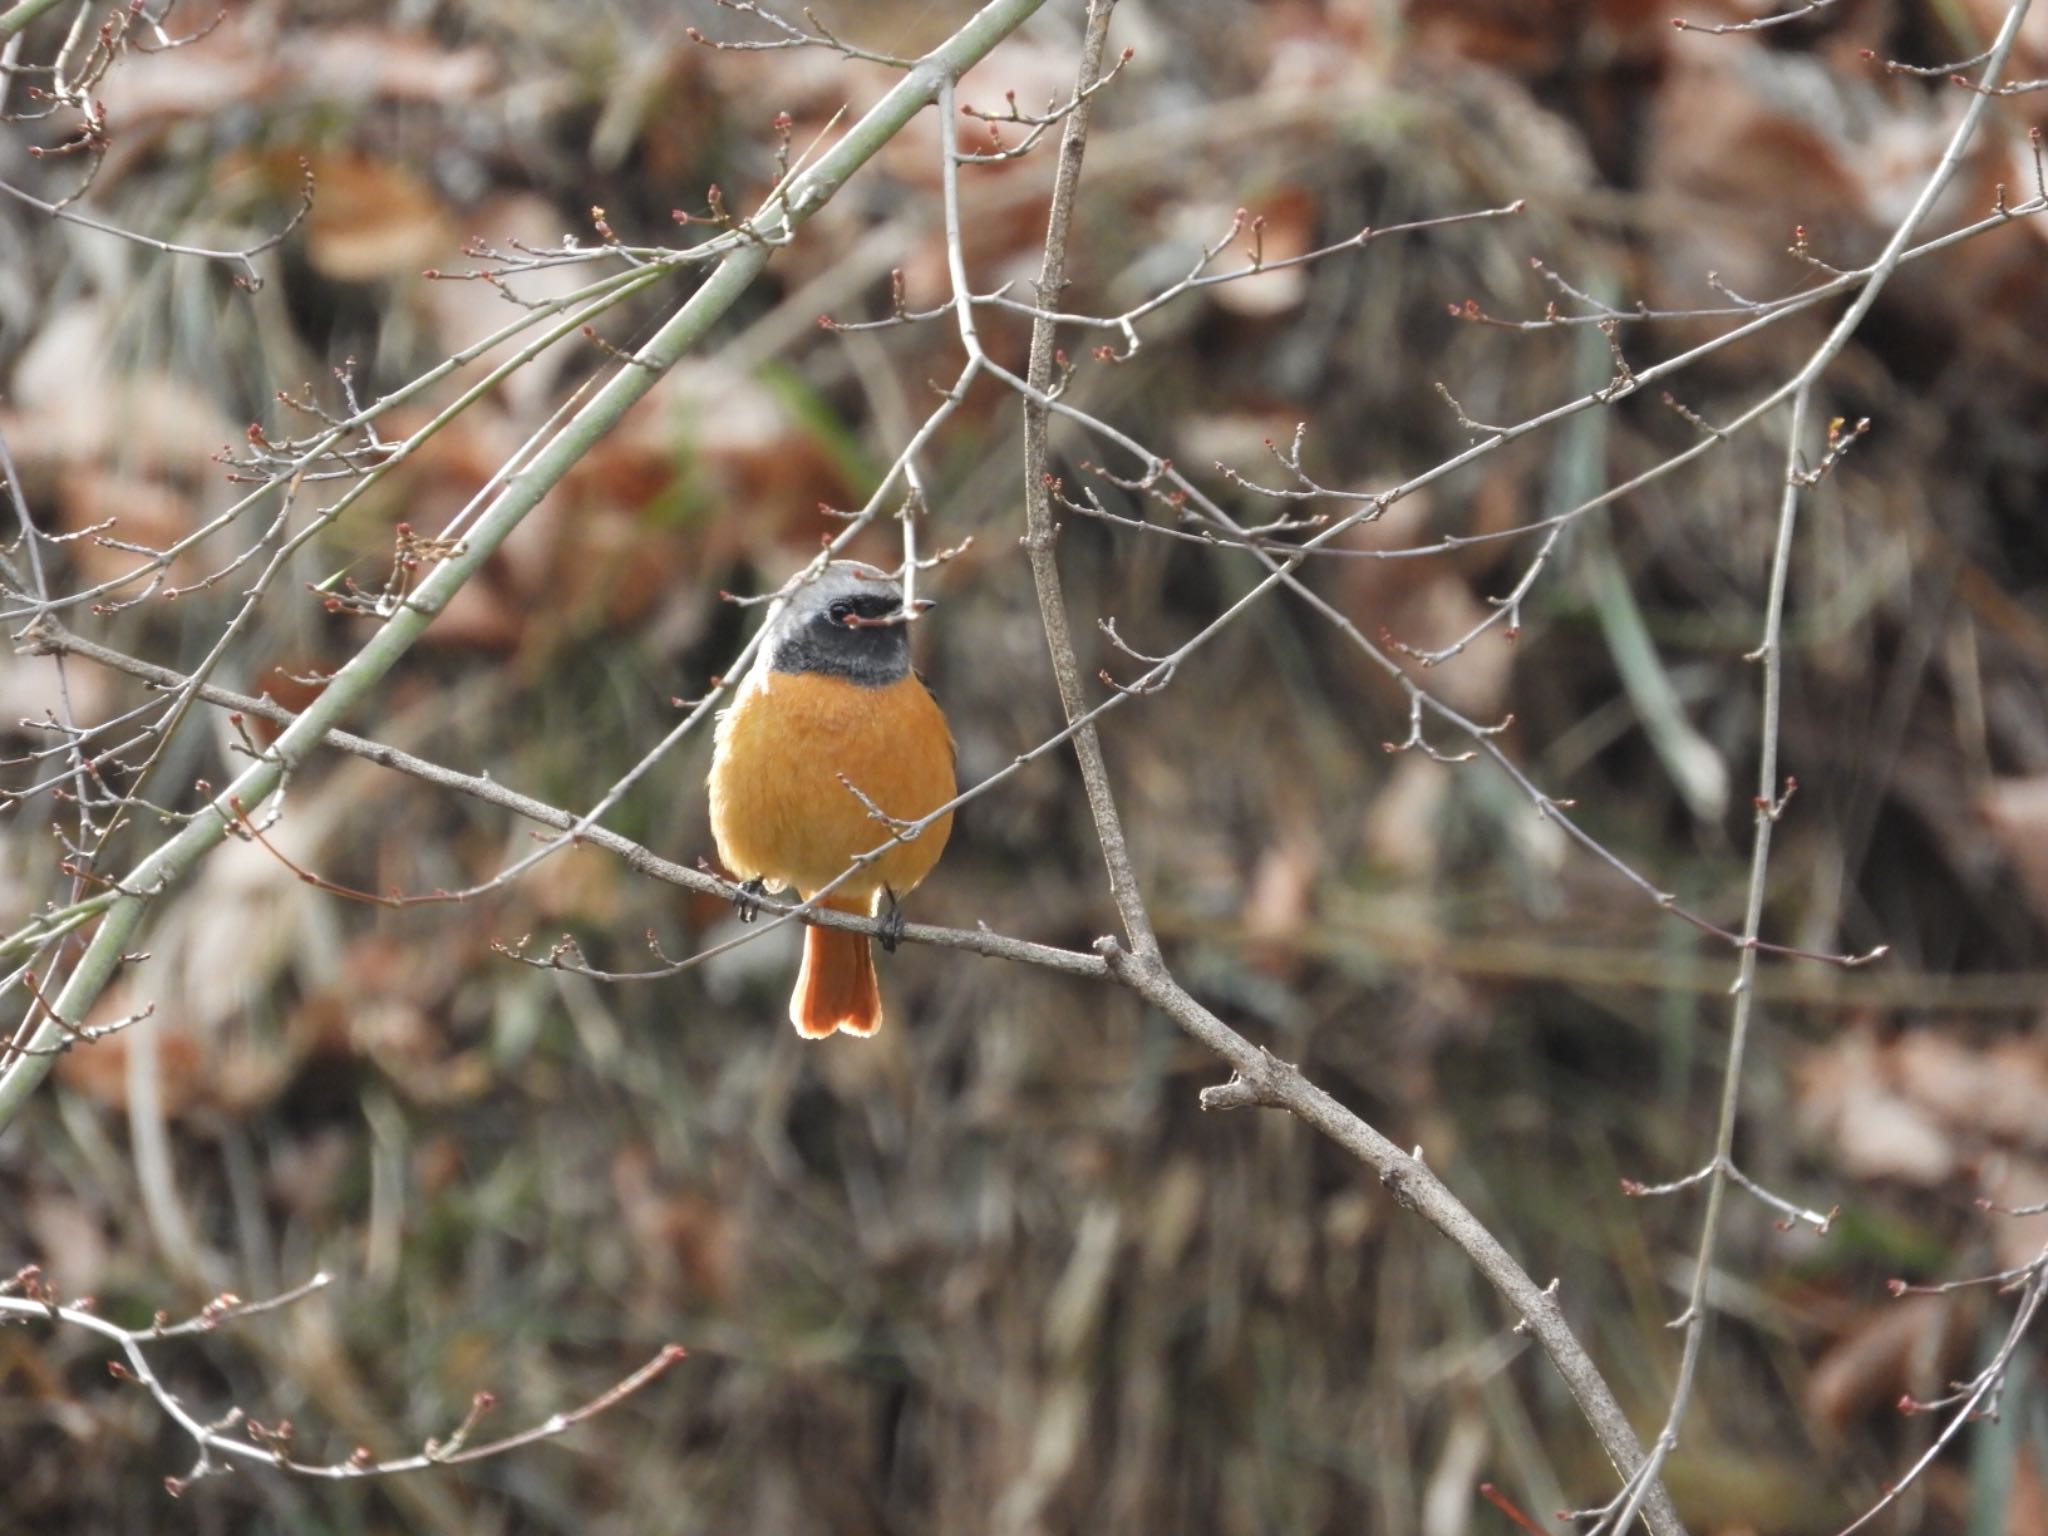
point(1262, 1079)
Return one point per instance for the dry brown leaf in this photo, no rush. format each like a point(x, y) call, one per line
point(1740, 137)
point(1278, 899)
point(2030, 51)
point(1533, 37)
point(479, 617)
point(679, 1234)
point(2017, 1183)
point(2026, 1507)
point(290, 682)
point(74, 408)
point(360, 62)
point(1401, 829)
point(28, 691)
point(1847, 1103)
point(464, 312)
point(1999, 1091)
point(748, 452)
point(406, 1046)
point(246, 60)
point(1927, 1104)
point(305, 1172)
point(2016, 811)
point(1343, 45)
point(1439, 613)
point(1286, 229)
point(139, 511)
point(582, 886)
point(1426, 603)
point(69, 1241)
point(171, 84)
point(57, 383)
point(373, 219)
point(1888, 1353)
point(1240, 439)
point(437, 1166)
point(100, 1070)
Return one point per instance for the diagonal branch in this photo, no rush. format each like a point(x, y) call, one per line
point(803, 196)
point(1259, 1078)
point(50, 638)
point(1769, 799)
point(16, 18)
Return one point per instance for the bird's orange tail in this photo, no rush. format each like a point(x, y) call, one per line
point(837, 987)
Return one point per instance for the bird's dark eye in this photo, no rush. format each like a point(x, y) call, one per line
point(840, 611)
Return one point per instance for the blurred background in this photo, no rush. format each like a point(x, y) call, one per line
point(995, 1271)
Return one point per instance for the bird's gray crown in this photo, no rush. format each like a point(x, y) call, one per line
point(847, 622)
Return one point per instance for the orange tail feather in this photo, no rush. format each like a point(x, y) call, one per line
point(837, 987)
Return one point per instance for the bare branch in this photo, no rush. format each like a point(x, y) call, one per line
point(26, 1296)
point(1759, 24)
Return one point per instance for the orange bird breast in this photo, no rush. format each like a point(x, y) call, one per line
point(778, 809)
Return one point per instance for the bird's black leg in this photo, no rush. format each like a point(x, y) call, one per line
point(892, 923)
point(748, 905)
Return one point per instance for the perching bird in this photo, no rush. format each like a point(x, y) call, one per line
point(832, 694)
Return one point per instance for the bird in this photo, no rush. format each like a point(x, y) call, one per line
point(831, 706)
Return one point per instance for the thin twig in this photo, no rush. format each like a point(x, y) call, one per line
point(25, 1296)
point(1143, 968)
point(978, 941)
point(355, 681)
point(1769, 791)
point(1039, 532)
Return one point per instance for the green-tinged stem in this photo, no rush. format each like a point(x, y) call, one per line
point(354, 682)
point(17, 17)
